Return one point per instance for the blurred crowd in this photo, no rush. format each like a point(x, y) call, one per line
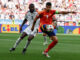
point(16, 9)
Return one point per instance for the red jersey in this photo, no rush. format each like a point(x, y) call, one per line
point(46, 17)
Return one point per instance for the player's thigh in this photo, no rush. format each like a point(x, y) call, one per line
point(28, 30)
point(23, 35)
point(53, 38)
point(30, 37)
point(34, 32)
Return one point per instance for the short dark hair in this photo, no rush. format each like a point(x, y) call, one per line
point(31, 4)
point(49, 4)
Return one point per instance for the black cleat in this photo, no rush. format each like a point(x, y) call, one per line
point(24, 51)
point(12, 49)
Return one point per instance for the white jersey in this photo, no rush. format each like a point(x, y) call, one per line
point(30, 17)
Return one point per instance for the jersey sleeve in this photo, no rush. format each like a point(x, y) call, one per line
point(40, 14)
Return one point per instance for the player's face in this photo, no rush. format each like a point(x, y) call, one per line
point(48, 8)
point(31, 8)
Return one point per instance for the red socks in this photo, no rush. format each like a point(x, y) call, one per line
point(53, 43)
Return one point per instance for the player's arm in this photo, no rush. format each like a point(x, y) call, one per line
point(55, 22)
point(24, 21)
point(64, 12)
point(36, 18)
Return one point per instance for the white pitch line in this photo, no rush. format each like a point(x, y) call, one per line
point(66, 34)
point(70, 34)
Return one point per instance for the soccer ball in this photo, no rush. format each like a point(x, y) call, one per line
point(49, 28)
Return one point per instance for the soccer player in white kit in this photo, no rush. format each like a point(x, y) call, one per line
point(31, 14)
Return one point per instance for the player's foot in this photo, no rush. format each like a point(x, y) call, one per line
point(24, 51)
point(46, 54)
point(12, 49)
point(45, 43)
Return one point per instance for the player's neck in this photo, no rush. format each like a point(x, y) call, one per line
point(31, 11)
point(47, 11)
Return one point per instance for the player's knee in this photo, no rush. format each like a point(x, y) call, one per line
point(21, 38)
point(44, 34)
point(56, 41)
point(30, 38)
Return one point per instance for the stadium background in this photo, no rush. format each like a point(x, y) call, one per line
point(12, 14)
point(11, 17)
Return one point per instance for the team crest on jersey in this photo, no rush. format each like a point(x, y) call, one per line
point(47, 16)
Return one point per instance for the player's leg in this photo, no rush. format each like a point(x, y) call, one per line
point(54, 39)
point(18, 41)
point(51, 45)
point(45, 39)
point(27, 43)
point(31, 36)
point(25, 33)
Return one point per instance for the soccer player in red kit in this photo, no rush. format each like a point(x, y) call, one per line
point(55, 27)
point(46, 19)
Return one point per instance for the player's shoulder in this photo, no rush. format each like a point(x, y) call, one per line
point(53, 10)
point(27, 12)
point(35, 11)
point(41, 12)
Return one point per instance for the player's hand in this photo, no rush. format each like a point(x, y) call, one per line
point(20, 29)
point(32, 28)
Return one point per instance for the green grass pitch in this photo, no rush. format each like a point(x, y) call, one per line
point(68, 48)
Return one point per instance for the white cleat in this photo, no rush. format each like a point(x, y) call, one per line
point(46, 54)
point(45, 43)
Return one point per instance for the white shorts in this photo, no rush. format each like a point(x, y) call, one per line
point(29, 32)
